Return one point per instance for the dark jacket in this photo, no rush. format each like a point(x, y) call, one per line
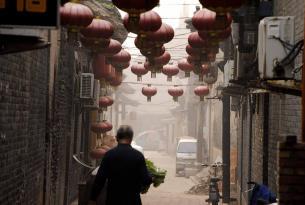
point(125, 170)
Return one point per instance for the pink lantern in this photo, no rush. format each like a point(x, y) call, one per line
point(100, 68)
point(186, 67)
point(120, 60)
point(164, 35)
point(104, 102)
point(101, 127)
point(175, 92)
point(117, 80)
point(170, 71)
point(202, 91)
point(149, 92)
point(206, 20)
point(149, 21)
point(98, 29)
point(139, 70)
point(75, 16)
point(113, 48)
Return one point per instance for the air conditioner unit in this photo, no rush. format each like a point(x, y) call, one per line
point(275, 33)
point(89, 91)
point(87, 86)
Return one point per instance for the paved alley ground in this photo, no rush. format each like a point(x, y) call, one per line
point(172, 192)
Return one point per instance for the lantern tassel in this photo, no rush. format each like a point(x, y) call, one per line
point(153, 74)
point(200, 77)
point(187, 74)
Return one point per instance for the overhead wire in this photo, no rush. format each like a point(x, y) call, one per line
point(164, 84)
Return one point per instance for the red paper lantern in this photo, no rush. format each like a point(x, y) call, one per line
point(175, 92)
point(153, 52)
point(186, 67)
point(101, 70)
point(206, 20)
point(101, 127)
point(170, 71)
point(139, 70)
point(98, 153)
point(113, 48)
point(155, 65)
point(104, 102)
point(98, 29)
point(149, 92)
point(112, 74)
point(135, 7)
point(117, 80)
point(221, 6)
point(94, 44)
point(217, 35)
point(164, 35)
point(197, 60)
point(120, 60)
point(149, 21)
point(75, 16)
point(144, 43)
point(195, 41)
point(154, 69)
point(161, 60)
point(202, 91)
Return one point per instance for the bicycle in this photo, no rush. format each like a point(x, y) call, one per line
point(214, 195)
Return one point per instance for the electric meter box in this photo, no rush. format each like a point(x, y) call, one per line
point(276, 35)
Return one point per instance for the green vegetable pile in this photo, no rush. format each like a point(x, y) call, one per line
point(157, 174)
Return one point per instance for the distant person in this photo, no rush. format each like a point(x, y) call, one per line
point(125, 171)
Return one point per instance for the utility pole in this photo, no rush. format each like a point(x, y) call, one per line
point(303, 94)
point(200, 134)
point(226, 151)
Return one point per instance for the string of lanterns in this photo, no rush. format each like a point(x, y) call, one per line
point(109, 59)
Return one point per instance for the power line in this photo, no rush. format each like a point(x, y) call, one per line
point(163, 84)
point(184, 4)
point(181, 34)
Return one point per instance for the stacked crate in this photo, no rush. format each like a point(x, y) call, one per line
point(291, 183)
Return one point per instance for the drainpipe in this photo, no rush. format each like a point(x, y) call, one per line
point(266, 140)
point(226, 143)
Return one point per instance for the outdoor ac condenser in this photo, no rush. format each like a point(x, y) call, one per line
point(276, 35)
point(86, 86)
point(89, 91)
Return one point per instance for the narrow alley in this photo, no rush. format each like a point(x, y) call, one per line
point(152, 102)
point(173, 191)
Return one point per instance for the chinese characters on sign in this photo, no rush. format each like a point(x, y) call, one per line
point(42, 13)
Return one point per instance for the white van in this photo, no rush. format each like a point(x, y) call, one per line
point(186, 154)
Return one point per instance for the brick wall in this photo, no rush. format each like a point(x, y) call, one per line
point(257, 140)
point(285, 110)
point(23, 91)
point(65, 135)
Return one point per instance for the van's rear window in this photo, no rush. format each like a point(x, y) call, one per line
point(187, 147)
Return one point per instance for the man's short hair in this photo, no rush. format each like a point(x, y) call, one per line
point(124, 132)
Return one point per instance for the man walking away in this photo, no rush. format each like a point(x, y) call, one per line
point(125, 171)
